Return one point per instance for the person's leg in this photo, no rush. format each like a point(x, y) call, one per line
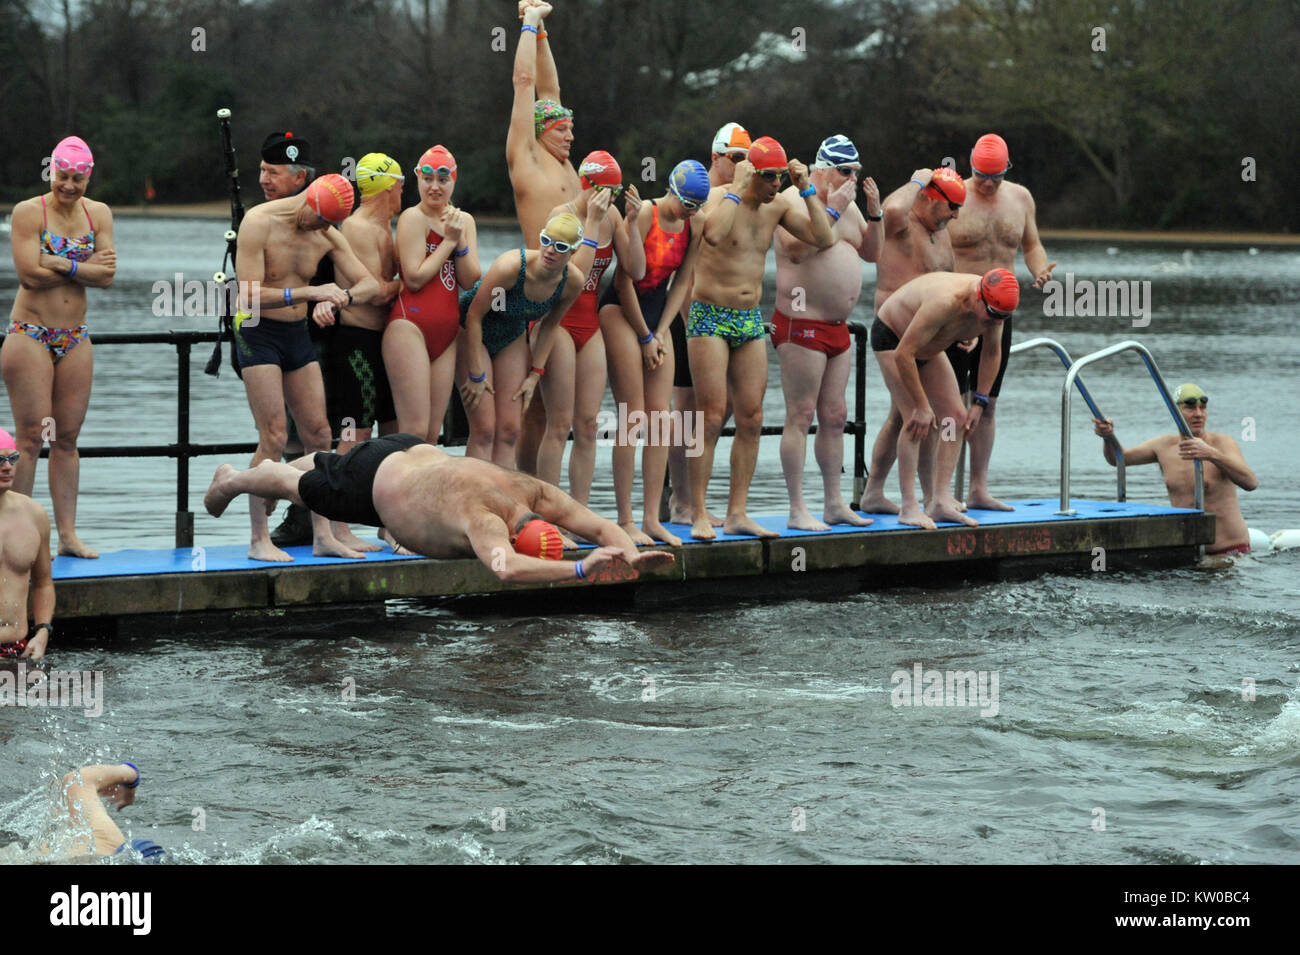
point(509, 368)
point(442, 375)
point(305, 394)
point(709, 358)
point(271, 480)
point(627, 382)
point(72, 378)
point(828, 446)
point(909, 448)
point(357, 380)
point(801, 380)
point(746, 383)
point(533, 434)
point(482, 417)
point(556, 387)
point(883, 453)
point(981, 440)
point(679, 475)
point(654, 453)
point(264, 387)
point(941, 390)
point(29, 380)
point(407, 362)
point(589, 391)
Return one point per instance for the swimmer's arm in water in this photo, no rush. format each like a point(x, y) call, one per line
point(42, 588)
point(1144, 453)
point(82, 791)
point(521, 139)
point(1224, 453)
point(805, 217)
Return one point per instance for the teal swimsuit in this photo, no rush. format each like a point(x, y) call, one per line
point(501, 328)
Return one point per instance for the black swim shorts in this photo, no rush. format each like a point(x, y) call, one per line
point(356, 383)
point(341, 486)
point(884, 338)
point(966, 365)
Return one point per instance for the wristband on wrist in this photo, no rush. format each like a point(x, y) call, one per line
point(649, 337)
point(918, 182)
point(349, 291)
point(527, 29)
point(43, 626)
point(288, 296)
point(73, 271)
point(832, 213)
point(482, 377)
point(577, 569)
point(543, 35)
point(979, 399)
point(810, 191)
point(732, 196)
point(538, 371)
point(591, 242)
point(137, 776)
point(871, 218)
point(459, 252)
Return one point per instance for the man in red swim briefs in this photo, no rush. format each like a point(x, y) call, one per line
point(1223, 472)
point(816, 291)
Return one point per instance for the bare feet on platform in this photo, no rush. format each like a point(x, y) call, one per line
point(71, 546)
point(330, 547)
point(877, 504)
point(702, 530)
point(265, 550)
point(343, 534)
point(391, 541)
point(219, 494)
point(987, 502)
point(843, 514)
point(915, 517)
point(802, 520)
point(745, 525)
point(638, 536)
point(658, 532)
point(946, 509)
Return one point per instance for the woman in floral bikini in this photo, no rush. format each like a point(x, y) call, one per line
point(62, 244)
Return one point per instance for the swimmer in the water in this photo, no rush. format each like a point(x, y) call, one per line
point(441, 506)
point(1224, 469)
point(84, 791)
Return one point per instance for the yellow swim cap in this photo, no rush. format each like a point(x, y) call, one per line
point(377, 172)
point(563, 228)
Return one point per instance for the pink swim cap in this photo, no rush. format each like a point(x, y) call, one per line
point(7, 441)
point(73, 153)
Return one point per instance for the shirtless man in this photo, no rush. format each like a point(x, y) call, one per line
point(541, 130)
point(1223, 472)
point(359, 395)
point(909, 336)
point(916, 242)
point(816, 291)
point(441, 506)
point(726, 329)
point(998, 218)
point(280, 244)
point(24, 558)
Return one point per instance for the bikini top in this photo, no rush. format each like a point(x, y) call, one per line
point(76, 247)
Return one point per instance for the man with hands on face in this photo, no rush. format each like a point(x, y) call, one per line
point(726, 328)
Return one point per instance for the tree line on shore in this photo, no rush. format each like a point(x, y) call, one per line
point(1120, 113)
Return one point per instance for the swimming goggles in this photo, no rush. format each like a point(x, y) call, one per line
point(1188, 403)
point(556, 244)
point(10, 459)
point(430, 171)
point(954, 206)
point(82, 167)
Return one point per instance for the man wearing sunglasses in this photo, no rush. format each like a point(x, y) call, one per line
point(997, 219)
point(726, 328)
point(912, 330)
point(1224, 469)
point(24, 561)
point(816, 291)
point(916, 242)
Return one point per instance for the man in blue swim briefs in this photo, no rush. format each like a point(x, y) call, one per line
point(726, 330)
point(280, 244)
point(441, 505)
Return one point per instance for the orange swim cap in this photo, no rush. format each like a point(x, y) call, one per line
point(435, 158)
point(990, 155)
point(600, 169)
point(1000, 290)
point(945, 183)
point(766, 153)
point(538, 538)
point(331, 197)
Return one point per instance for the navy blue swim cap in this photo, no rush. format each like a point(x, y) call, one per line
point(689, 180)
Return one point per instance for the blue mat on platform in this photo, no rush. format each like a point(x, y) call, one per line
point(235, 556)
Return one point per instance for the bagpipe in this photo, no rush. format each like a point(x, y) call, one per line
point(226, 320)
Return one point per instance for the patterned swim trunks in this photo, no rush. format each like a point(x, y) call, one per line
point(736, 325)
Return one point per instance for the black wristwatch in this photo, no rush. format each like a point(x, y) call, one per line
point(349, 291)
point(43, 626)
point(871, 218)
point(981, 400)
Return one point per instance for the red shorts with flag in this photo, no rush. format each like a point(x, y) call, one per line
point(817, 336)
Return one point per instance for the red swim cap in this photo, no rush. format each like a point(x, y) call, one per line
point(538, 538)
point(766, 153)
point(600, 169)
point(331, 197)
point(1000, 290)
point(990, 155)
point(435, 158)
point(945, 183)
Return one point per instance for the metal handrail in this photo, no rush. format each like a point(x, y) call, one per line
point(1121, 484)
point(1067, 393)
